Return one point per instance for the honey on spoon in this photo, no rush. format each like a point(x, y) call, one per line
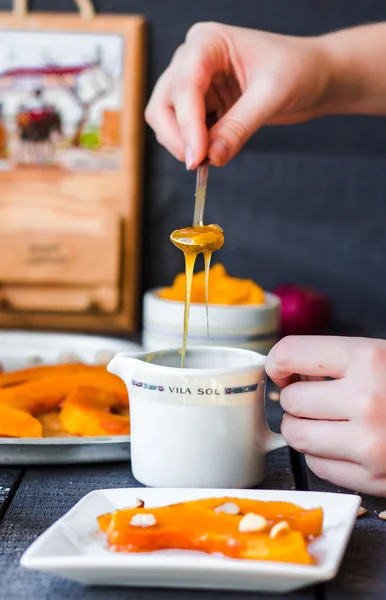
point(194, 240)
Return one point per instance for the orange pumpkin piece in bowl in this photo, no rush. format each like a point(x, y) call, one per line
point(223, 289)
point(236, 528)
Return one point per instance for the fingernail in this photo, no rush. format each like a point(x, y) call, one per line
point(189, 158)
point(218, 151)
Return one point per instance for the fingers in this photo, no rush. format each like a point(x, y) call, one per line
point(205, 54)
point(227, 91)
point(213, 102)
point(347, 474)
point(190, 110)
point(257, 103)
point(181, 92)
point(168, 134)
point(177, 109)
point(161, 117)
point(318, 400)
point(324, 356)
point(325, 439)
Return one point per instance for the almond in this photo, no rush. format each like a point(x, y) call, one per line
point(281, 528)
point(362, 511)
point(69, 357)
point(229, 508)
point(252, 522)
point(382, 515)
point(103, 357)
point(143, 520)
point(34, 360)
point(139, 503)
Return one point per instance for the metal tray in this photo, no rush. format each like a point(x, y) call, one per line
point(19, 349)
point(63, 451)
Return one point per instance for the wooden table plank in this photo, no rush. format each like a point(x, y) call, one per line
point(9, 481)
point(362, 575)
point(45, 494)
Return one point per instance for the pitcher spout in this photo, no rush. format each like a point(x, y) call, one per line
point(122, 365)
point(117, 364)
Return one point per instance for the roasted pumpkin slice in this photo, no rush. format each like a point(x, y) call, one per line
point(88, 411)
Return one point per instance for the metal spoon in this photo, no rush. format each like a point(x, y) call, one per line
point(201, 185)
point(202, 180)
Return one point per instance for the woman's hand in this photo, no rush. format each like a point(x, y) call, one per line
point(249, 78)
point(340, 425)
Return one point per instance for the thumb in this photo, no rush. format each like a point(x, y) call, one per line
point(254, 108)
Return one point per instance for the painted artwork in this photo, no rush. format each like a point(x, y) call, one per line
point(60, 100)
point(71, 128)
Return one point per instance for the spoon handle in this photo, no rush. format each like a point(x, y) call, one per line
point(202, 180)
point(201, 185)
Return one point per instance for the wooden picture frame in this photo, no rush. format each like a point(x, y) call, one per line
point(70, 189)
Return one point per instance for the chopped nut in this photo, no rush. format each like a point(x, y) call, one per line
point(362, 511)
point(252, 522)
point(281, 528)
point(139, 503)
point(69, 357)
point(382, 515)
point(103, 357)
point(34, 360)
point(143, 520)
point(229, 508)
point(274, 396)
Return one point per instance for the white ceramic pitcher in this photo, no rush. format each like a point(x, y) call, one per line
point(201, 426)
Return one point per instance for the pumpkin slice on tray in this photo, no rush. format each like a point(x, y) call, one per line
point(63, 401)
point(89, 411)
point(19, 424)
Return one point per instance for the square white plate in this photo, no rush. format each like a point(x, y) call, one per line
point(73, 547)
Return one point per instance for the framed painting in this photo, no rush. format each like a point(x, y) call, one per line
point(71, 142)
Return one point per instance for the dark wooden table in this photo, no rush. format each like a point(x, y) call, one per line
point(32, 499)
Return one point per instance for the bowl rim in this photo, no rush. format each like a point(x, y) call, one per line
point(273, 302)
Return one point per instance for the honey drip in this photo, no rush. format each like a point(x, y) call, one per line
point(207, 259)
point(195, 240)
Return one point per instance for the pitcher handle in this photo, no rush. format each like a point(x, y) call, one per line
point(273, 441)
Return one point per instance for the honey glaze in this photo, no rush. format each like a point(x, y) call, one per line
point(195, 240)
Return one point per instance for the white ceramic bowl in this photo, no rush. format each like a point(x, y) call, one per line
point(254, 327)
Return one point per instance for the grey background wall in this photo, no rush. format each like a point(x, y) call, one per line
point(304, 203)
